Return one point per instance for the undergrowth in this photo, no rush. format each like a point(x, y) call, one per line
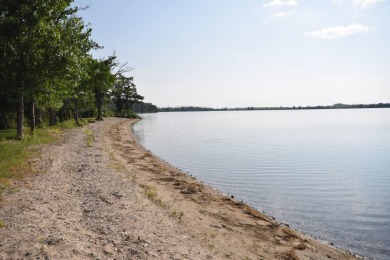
point(14, 154)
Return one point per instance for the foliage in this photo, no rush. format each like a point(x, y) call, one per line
point(43, 45)
point(46, 70)
point(125, 94)
point(130, 114)
point(141, 107)
point(101, 80)
point(48, 74)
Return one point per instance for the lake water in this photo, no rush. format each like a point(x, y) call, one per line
point(324, 172)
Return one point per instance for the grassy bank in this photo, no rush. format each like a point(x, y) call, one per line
point(14, 154)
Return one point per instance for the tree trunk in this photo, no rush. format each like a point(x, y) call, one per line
point(20, 119)
point(99, 105)
point(32, 115)
point(127, 104)
point(69, 114)
point(62, 115)
point(38, 118)
point(3, 122)
point(52, 115)
point(76, 112)
point(81, 118)
point(20, 108)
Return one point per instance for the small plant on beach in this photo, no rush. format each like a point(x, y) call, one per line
point(89, 137)
point(40, 239)
point(176, 215)
point(116, 166)
point(151, 193)
point(213, 235)
point(111, 155)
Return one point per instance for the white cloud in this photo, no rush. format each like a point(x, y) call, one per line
point(338, 31)
point(366, 3)
point(281, 3)
point(360, 3)
point(282, 14)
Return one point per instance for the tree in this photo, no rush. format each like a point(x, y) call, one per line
point(125, 94)
point(42, 44)
point(104, 73)
point(101, 81)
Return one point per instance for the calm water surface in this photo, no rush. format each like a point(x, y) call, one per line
point(325, 172)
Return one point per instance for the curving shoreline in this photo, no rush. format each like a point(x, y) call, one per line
point(290, 243)
point(97, 193)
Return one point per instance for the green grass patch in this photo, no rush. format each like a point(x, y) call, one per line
point(7, 134)
point(72, 123)
point(66, 124)
point(14, 154)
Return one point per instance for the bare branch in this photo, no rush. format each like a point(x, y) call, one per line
point(83, 8)
point(122, 69)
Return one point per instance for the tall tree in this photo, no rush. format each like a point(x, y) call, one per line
point(125, 93)
point(104, 73)
point(101, 81)
point(41, 45)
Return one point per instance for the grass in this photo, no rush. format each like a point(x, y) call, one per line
point(14, 154)
point(89, 137)
point(116, 166)
point(151, 193)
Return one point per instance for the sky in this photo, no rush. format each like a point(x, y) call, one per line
point(240, 53)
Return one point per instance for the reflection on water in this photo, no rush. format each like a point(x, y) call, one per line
point(325, 172)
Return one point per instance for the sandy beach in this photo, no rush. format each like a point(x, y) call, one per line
point(97, 194)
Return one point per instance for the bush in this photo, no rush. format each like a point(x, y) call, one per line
point(130, 114)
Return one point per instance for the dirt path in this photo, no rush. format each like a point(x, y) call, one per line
point(101, 196)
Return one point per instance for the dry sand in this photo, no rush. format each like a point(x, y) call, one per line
point(100, 195)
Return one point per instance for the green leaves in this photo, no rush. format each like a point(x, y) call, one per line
point(44, 57)
point(44, 45)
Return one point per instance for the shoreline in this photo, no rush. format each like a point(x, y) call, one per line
point(248, 210)
point(229, 196)
point(96, 193)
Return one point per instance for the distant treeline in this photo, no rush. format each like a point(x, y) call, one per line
point(184, 109)
point(142, 107)
point(335, 106)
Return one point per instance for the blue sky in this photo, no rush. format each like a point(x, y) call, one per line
point(238, 53)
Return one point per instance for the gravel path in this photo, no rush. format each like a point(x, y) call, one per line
point(83, 208)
